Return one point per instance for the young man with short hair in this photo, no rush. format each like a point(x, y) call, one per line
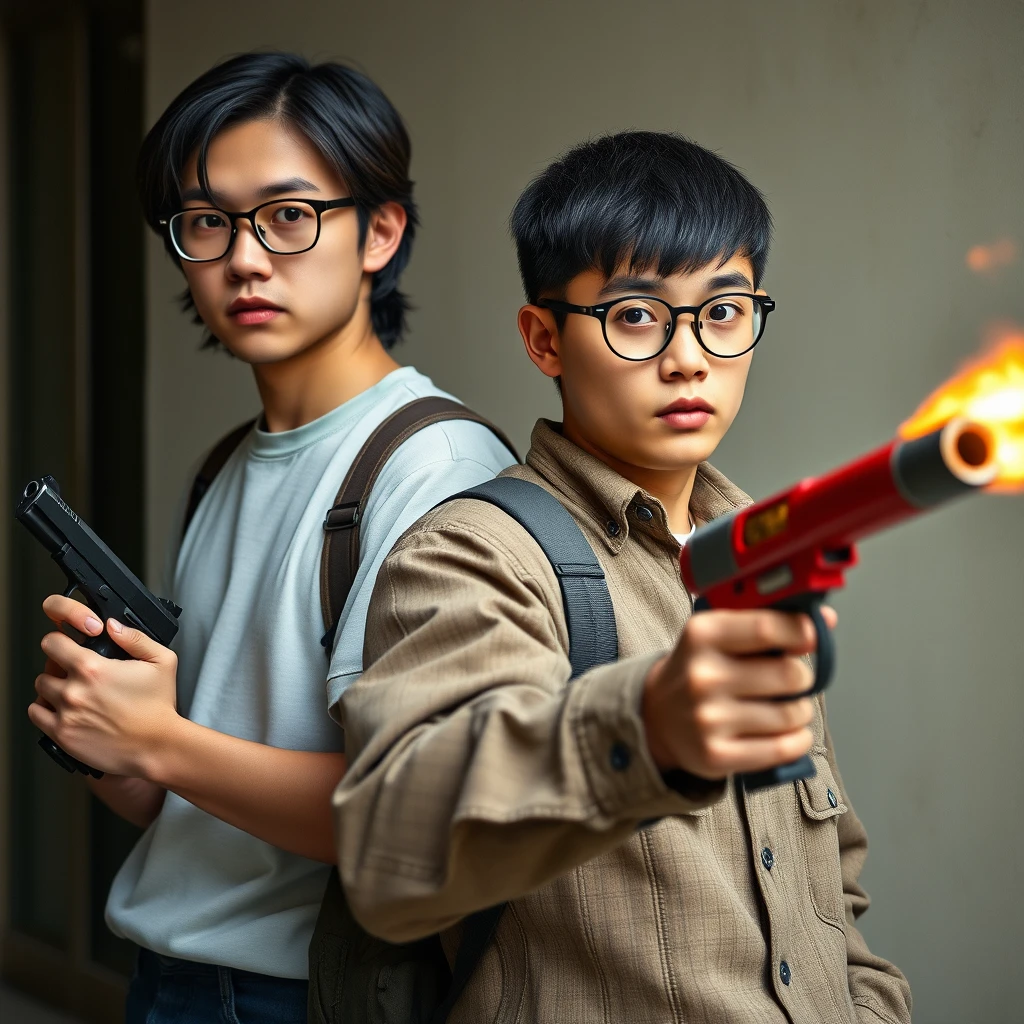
point(642, 883)
point(282, 190)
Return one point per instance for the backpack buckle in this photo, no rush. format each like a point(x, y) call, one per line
point(342, 517)
point(588, 570)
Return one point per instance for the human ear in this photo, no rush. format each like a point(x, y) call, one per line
point(540, 336)
point(383, 236)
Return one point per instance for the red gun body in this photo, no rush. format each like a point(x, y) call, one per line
point(802, 540)
point(789, 550)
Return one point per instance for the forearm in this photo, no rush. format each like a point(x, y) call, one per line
point(136, 800)
point(280, 796)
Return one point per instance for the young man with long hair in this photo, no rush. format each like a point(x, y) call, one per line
point(282, 191)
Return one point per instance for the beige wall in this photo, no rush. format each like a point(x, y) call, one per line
point(888, 139)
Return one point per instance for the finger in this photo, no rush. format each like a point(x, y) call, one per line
point(755, 754)
point(64, 651)
point(79, 616)
point(135, 642)
point(756, 677)
point(51, 668)
point(50, 689)
point(711, 675)
point(769, 718)
point(43, 718)
point(754, 632)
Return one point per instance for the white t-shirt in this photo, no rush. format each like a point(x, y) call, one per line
point(250, 664)
point(684, 537)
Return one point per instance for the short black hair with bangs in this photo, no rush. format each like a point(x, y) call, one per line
point(648, 201)
point(344, 114)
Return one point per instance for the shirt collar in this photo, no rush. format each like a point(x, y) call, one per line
point(616, 504)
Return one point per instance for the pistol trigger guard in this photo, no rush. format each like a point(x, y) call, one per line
point(825, 659)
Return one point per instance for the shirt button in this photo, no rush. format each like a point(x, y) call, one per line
point(612, 527)
point(767, 858)
point(785, 973)
point(832, 801)
point(619, 757)
point(644, 513)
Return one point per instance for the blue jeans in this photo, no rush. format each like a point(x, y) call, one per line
point(170, 991)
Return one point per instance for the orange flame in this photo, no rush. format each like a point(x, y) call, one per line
point(990, 390)
point(984, 259)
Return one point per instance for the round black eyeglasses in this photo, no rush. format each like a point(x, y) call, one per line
point(202, 234)
point(640, 327)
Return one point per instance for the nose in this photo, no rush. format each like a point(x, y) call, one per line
point(247, 257)
point(684, 356)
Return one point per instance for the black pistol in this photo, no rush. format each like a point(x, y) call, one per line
point(109, 587)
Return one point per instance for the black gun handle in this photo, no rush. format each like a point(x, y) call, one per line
point(824, 665)
point(825, 653)
point(65, 760)
point(799, 769)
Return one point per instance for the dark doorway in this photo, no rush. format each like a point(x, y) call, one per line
point(76, 380)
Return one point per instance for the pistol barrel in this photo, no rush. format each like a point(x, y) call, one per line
point(828, 514)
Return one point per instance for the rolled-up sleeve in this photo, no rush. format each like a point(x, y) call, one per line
point(478, 772)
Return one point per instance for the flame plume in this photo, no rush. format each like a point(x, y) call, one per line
point(989, 390)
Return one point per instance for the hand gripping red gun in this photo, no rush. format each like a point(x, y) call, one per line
point(789, 550)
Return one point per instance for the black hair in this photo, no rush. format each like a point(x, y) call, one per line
point(646, 200)
point(344, 115)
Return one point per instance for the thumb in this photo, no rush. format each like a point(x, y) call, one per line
point(134, 641)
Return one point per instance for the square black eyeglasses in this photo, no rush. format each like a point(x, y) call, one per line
point(285, 227)
point(638, 327)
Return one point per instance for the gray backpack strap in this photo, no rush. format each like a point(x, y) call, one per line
point(593, 640)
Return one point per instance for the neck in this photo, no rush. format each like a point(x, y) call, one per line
point(672, 487)
point(321, 377)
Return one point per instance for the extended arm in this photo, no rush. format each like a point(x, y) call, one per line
point(478, 775)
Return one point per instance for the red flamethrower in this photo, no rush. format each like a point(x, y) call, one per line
point(789, 550)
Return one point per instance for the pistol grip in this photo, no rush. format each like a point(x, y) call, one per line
point(780, 773)
point(824, 665)
point(66, 761)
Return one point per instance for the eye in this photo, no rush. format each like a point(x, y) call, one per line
point(209, 222)
point(722, 313)
point(290, 215)
point(635, 316)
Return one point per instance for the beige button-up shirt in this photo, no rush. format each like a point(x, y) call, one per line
point(479, 774)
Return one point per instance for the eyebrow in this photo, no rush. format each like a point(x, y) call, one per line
point(630, 283)
point(275, 188)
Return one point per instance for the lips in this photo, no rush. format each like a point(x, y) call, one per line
point(253, 310)
point(687, 413)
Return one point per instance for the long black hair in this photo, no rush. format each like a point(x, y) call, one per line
point(346, 117)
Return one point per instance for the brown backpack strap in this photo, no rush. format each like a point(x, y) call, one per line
point(211, 467)
point(339, 560)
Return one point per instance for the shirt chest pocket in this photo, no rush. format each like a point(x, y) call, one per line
point(821, 805)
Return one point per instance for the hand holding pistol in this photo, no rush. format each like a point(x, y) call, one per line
point(108, 586)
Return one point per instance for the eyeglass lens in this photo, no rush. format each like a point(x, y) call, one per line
point(205, 234)
point(727, 325)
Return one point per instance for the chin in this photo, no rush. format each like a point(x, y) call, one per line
point(256, 349)
point(676, 452)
